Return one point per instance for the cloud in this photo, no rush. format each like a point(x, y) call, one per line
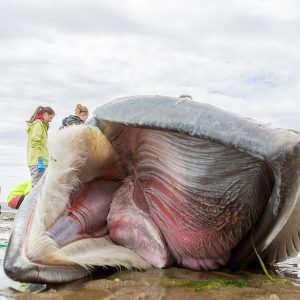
point(239, 56)
point(46, 19)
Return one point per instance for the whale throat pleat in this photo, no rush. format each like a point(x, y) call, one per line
point(202, 196)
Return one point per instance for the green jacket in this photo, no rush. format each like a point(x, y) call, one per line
point(37, 142)
point(22, 189)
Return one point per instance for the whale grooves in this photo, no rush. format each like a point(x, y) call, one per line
point(155, 182)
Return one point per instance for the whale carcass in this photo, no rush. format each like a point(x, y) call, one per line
point(152, 181)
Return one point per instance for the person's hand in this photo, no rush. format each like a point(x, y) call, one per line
point(41, 165)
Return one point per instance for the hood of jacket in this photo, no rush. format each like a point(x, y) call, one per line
point(30, 124)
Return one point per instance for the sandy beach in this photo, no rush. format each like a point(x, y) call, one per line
point(170, 283)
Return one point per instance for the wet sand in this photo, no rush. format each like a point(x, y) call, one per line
point(171, 283)
point(167, 284)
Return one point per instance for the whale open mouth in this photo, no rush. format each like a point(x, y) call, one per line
point(136, 197)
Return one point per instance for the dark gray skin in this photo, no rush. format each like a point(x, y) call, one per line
point(233, 180)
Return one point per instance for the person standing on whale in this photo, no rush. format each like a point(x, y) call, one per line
point(37, 152)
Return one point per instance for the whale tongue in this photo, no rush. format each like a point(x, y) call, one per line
point(131, 226)
point(86, 216)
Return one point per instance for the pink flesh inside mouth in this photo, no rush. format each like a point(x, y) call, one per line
point(172, 208)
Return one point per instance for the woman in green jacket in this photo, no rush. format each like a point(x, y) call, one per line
point(37, 152)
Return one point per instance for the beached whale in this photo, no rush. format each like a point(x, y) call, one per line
point(155, 181)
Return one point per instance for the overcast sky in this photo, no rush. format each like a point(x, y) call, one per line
point(242, 56)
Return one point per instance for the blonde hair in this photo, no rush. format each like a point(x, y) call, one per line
point(80, 108)
point(39, 111)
